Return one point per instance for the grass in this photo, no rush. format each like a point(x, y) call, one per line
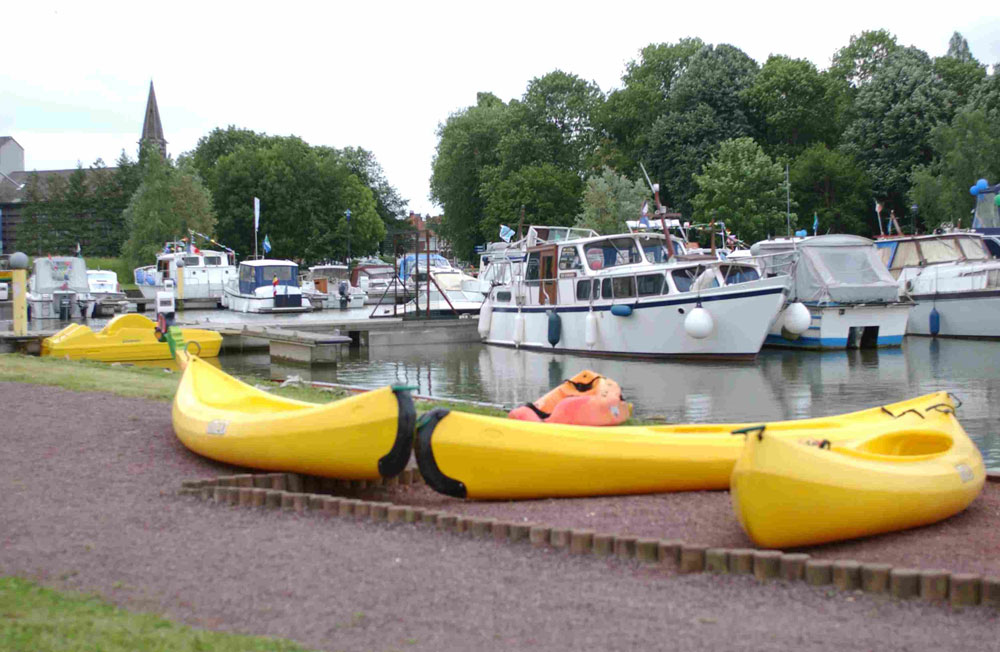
point(153, 382)
point(36, 618)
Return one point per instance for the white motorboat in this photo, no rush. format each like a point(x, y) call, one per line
point(449, 293)
point(266, 285)
point(109, 299)
point(58, 289)
point(381, 283)
point(629, 295)
point(331, 284)
point(953, 278)
point(205, 274)
point(851, 299)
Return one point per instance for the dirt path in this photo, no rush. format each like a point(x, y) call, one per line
point(88, 501)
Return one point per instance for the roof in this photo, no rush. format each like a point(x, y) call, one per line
point(5, 139)
point(152, 128)
point(262, 262)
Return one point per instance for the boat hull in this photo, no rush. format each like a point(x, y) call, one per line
point(788, 494)
point(655, 327)
point(847, 326)
point(362, 437)
point(488, 458)
point(266, 302)
point(973, 314)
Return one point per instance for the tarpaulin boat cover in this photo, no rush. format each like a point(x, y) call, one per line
point(835, 269)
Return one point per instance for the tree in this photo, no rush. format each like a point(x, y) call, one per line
point(829, 185)
point(858, 61)
point(610, 199)
point(549, 194)
point(467, 144)
point(958, 49)
point(560, 107)
point(896, 112)
point(219, 143)
point(169, 202)
point(743, 187)
point(388, 203)
point(969, 149)
point(792, 106)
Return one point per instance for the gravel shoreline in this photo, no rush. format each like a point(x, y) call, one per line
point(89, 500)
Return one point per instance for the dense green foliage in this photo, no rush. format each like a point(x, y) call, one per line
point(884, 123)
point(609, 200)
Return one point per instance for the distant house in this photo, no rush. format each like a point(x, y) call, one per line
point(430, 240)
point(14, 179)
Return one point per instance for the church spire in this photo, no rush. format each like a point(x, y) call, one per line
point(152, 130)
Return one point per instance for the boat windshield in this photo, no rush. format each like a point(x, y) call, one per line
point(283, 272)
point(102, 277)
point(611, 253)
point(654, 248)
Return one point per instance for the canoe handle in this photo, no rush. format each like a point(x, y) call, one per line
point(896, 416)
point(750, 429)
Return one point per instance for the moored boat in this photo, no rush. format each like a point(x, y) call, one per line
point(58, 289)
point(266, 285)
point(363, 437)
point(129, 337)
point(198, 281)
point(789, 493)
point(108, 296)
point(852, 300)
point(488, 458)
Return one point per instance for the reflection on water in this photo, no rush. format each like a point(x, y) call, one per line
point(779, 385)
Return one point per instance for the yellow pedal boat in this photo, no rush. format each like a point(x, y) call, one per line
point(362, 437)
point(125, 338)
point(787, 493)
point(481, 457)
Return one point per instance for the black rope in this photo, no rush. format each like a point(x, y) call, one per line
point(541, 414)
point(583, 387)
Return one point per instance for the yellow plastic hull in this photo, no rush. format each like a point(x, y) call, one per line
point(480, 457)
point(363, 437)
point(788, 494)
point(125, 338)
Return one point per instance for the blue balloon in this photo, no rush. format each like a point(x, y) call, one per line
point(982, 184)
point(974, 190)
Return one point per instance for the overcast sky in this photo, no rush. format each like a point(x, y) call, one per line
point(74, 76)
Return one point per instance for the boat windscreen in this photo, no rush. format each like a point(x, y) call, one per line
point(943, 250)
point(283, 272)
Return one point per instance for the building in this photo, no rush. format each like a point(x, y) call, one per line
point(429, 239)
point(14, 178)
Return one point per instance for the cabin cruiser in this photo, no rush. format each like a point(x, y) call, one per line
point(205, 274)
point(851, 299)
point(108, 296)
point(58, 289)
point(630, 295)
point(450, 292)
point(380, 282)
point(954, 279)
point(266, 285)
point(330, 283)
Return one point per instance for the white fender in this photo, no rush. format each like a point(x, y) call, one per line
point(485, 318)
point(590, 333)
point(518, 328)
point(797, 318)
point(699, 323)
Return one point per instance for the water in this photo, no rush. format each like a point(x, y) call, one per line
point(779, 385)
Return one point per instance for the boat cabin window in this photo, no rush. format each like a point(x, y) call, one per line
point(650, 284)
point(606, 289)
point(213, 260)
point(906, 255)
point(583, 290)
point(283, 272)
point(973, 248)
point(623, 287)
point(246, 273)
point(739, 274)
point(533, 265)
point(655, 249)
point(943, 250)
point(163, 265)
point(612, 252)
point(503, 296)
point(569, 259)
point(191, 261)
point(684, 278)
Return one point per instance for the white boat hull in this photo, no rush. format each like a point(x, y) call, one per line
point(845, 326)
point(656, 326)
point(961, 314)
point(263, 301)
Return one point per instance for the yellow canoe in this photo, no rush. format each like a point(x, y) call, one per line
point(363, 437)
point(125, 338)
point(480, 457)
point(787, 493)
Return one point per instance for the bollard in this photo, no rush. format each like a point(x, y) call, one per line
point(793, 566)
point(904, 583)
point(846, 575)
point(875, 578)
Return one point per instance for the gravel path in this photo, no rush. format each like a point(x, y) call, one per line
point(88, 501)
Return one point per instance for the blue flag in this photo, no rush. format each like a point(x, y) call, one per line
point(506, 232)
point(815, 222)
point(267, 245)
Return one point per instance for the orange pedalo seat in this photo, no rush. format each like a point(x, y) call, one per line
point(586, 399)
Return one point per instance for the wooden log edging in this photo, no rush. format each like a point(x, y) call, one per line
point(302, 494)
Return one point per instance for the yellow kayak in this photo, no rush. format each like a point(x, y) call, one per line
point(787, 493)
point(480, 457)
point(362, 437)
point(125, 338)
